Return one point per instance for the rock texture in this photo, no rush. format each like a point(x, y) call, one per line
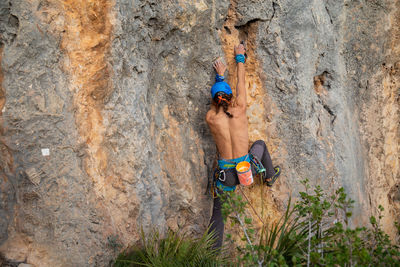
point(103, 104)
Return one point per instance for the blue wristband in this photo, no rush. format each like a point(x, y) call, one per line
point(219, 78)
point(240, 58)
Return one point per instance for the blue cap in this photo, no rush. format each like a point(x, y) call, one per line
point(220, 87)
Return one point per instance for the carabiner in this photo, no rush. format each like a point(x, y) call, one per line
point(219, 175)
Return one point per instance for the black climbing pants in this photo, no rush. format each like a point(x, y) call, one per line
point(217, 223)
point(260, 150)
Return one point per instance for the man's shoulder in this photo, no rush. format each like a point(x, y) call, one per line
point(210, 115)
point(211, 112)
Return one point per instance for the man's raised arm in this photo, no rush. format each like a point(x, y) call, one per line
point(240, 86)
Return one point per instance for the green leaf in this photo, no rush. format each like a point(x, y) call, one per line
point(247, 220)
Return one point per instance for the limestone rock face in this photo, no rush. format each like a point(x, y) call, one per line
point(103, 103)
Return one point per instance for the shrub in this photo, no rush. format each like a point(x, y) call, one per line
point(172, 251)
point(315, 231)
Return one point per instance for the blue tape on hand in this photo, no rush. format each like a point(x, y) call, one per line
point(240, 58)
point(219, 78)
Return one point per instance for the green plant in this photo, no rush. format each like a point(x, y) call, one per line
point(331, 241)
point(173, 250)
point(275, 245)
point(313, 232)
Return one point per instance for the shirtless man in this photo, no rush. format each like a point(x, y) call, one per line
point(229, 126)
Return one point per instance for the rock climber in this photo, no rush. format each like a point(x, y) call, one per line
point(228, 123)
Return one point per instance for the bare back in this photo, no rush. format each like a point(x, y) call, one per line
point(230, 134)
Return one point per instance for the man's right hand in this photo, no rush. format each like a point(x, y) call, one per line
point(239, 49)
point(219, 67)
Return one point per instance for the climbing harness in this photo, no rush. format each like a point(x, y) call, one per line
point(219, 176)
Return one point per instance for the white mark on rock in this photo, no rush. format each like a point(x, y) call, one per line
point(45, 152)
